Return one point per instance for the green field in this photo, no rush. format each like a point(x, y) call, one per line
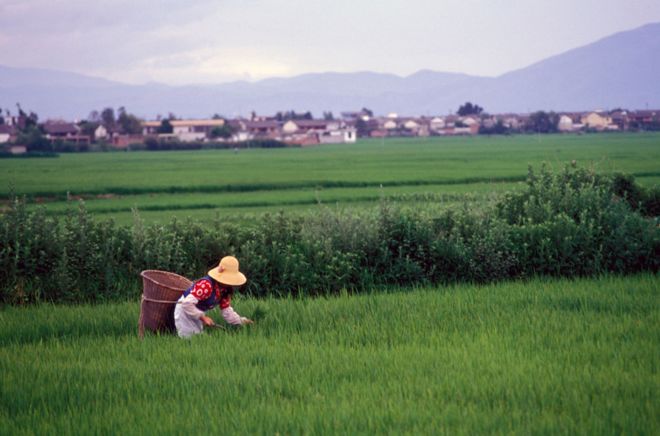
point(545, 356)
point(536, 356)
point(204, 184)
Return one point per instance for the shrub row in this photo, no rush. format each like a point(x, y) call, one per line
point(570, 223)
point(154, 144)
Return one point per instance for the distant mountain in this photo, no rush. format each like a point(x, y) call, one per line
point(16, 77)
point(621, 70)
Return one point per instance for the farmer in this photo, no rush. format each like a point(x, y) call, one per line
point(216, 288)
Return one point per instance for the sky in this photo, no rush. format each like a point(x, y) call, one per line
point(215, 41)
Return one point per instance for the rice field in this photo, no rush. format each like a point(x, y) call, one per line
point(544, 356)
point(208, 183)
point(534, 357)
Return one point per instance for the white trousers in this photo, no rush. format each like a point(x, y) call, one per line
point(186, 325)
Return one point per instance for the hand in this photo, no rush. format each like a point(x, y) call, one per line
point(247, 321)
point(207, 320)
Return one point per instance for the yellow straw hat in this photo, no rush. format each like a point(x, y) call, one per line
point(227, 272)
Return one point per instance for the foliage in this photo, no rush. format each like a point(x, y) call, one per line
point(564, 224)
point(89, 127)
point(362, 128)
point(34, 139)
point(293, 115)
point(129, 123)
point(165, 127)
point(543, 122)
point(108, 119)
point(644, 200)
point(64, 146)
point(469, 109)
point(26, 121)
point(497, 129)
point(154, 144)
point(366, 111)
point(225, 131)
point(648, 126)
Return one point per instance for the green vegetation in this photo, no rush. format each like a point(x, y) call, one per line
point(417, 165)
point(537, 357)
point(572, 222)
point(413, 353)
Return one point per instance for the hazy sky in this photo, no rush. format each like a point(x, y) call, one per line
point(177, 41)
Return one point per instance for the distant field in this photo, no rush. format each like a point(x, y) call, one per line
point(153, 207)
point(541, 357)
point(224, 182)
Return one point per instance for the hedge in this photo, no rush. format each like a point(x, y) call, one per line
point(570, 223)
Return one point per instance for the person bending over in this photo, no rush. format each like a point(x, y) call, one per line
point(214, 289)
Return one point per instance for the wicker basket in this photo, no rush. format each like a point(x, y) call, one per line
point(161, 290)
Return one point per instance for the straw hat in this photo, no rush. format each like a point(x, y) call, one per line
point(227, 272)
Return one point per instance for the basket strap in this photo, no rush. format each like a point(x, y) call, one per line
point(151, 300)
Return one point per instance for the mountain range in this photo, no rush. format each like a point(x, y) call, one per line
point(622, 70)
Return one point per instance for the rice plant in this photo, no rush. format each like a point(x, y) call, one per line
point(541, 356)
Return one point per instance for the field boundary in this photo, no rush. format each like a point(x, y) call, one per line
point(256, 187)
point(444, 197)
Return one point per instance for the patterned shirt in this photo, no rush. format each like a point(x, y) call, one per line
point(204, 295)
point(205, 289)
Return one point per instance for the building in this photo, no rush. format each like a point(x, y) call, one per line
point(325, 132)
point(644, 119)
point(565, 124)
point(296, 126)
point(185, 130)
point(437, 124)
point(101, 133)
point(597, 120)
point(17, 149)
point(268, 129)
point(65, 132)
point(6, 133)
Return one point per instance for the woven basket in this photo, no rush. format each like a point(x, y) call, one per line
point(161, 290)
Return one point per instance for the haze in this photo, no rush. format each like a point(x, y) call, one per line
point(174, 42)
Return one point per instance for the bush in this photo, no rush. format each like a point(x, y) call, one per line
point(154, 144)
point(645, 200)
point(568, 223)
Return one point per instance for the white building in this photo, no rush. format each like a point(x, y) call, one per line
point(5, 133)
point(185, 130)
point(437, 123)
point(101, 133)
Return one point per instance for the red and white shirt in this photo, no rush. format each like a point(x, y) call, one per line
point(204, 289)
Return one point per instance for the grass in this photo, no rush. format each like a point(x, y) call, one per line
point(546, 356)
point(431, 160)
point(202, 184)
point(245, 203)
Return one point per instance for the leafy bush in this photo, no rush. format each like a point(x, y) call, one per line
point(568, 223)
point(647, 201)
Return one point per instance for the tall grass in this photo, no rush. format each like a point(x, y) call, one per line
point(543, 356)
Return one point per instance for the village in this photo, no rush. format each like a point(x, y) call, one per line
point(102, 131)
